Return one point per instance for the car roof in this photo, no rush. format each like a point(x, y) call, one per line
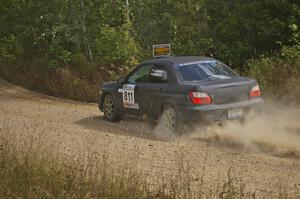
point(176, 61)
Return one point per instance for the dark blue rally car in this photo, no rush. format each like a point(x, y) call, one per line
point(181, 89)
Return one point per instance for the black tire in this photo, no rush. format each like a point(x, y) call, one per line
point(170, 120)
point(110, 110)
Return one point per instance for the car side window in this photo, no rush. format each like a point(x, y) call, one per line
point(141, 75)
point(159, 74)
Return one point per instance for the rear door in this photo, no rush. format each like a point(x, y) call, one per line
point(155, 92)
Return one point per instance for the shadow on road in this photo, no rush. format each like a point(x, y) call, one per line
point(128, 127)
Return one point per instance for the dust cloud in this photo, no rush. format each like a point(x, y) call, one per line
point(275, 131)
point(161, 132)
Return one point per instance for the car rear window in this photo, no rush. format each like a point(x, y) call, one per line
point(208, 70)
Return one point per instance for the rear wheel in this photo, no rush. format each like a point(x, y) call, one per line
point(111, 112)
point(170, 120)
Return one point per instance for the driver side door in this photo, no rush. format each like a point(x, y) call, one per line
point(132, 91)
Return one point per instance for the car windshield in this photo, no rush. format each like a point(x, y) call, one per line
point(207, 70)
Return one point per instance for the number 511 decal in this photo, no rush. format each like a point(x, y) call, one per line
point(128, 96)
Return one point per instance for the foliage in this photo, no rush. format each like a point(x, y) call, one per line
point(108, 37)
point(117, 47)
point(246, 29)
point(292, 54)
point(10, 48)
point(183, 24)
point(279, 75)
point(99, 31)
point(53, 32)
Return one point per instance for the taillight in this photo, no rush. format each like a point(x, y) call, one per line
point(199, 98)
point(255, 92)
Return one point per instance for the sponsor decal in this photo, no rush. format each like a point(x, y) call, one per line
point(128, 96)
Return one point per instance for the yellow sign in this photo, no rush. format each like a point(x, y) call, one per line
point(161, 50)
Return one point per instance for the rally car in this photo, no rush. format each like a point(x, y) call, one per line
point(180, 89)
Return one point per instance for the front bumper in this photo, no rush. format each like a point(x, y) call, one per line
point(211, 113)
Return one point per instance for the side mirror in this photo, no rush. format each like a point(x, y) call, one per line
point(121, 80)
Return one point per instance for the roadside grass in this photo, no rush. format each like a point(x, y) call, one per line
point(60, 82)
point(29, 168)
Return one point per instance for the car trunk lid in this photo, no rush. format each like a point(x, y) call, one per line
point(228, 91)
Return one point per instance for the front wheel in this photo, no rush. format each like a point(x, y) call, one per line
point(111, 112)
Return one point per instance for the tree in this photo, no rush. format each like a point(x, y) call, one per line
point(245, 29)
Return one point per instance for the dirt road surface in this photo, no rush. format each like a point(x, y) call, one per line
point(75, 126)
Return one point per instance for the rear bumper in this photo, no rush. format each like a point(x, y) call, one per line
point(219, 112)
